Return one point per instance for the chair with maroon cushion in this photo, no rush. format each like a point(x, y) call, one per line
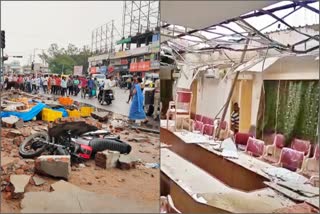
point(198, 117)
point(207, 120)
point(272, 152)
point(310, 166)
point(302, 146)
point(182, 107)
point(241, 139)
point(197, 126)
point(208, 130)
point(291, 159)
point(255, 147)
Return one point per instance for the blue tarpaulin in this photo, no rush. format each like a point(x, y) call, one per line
point(25, 116)
point(29, 115)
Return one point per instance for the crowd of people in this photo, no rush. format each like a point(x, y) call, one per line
point(62, 85)
point(52, 84)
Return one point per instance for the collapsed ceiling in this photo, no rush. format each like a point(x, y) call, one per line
point(229, 30)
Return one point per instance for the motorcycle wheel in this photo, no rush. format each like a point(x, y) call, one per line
point(108, 102)
point(33, 141)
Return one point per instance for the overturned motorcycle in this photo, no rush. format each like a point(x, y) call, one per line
point(78, 139)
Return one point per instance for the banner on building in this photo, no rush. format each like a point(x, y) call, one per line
point(140, 66)
point(77, 70)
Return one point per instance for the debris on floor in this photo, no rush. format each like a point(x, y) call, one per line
point(107, 159)
point(52, 165)
point(19, 183)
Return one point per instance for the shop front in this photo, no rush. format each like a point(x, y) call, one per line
point(140, 68)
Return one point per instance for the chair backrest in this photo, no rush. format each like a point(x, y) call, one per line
point(255, 147)
point(198, 126)
point(184, 97)
point(198, 117)
point(207, 120)
point(208, 129)
point(224, 125)
point(316, 152)
point(279, 140)
point(183, 100)
point(291, 159)
point(301, 145)
point(242, 138)
point(252, 130)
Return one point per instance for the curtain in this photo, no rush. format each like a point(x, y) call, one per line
point(290, 107)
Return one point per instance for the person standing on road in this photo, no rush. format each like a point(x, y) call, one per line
point(49, 84)
point(15, 81)
point(33, 83)
point(20, 82)
point(45, 83)
point(76, 83)
point(63, 86)
point(96, 87)
point(58, 85)
point(84, 85)
point(132, 83)
point(137, 109)
point(156, 98)
point(53, 85)
point(70, 85)
point(91, 85)
point(38, 83)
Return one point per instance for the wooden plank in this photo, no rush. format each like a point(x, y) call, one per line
point(305, 189)
point(292, 195)
point(208, 190)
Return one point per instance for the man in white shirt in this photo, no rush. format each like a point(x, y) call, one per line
point(109, 83)
point(44, 83)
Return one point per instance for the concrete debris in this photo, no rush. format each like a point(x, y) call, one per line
point(38, 181)
point(100, 116)
point(13, 134)
point(64, 186)
point(107, 159)
point(152, 165)
point(76, 200)
point(127, 162)
point(19, 183)
point(9, 121)
point(56, 166)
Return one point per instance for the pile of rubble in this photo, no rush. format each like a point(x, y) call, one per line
point(21, 177)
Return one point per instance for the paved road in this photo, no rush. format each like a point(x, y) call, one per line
point(119, 105)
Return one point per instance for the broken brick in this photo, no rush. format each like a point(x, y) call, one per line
point(55, 166)
point(126, 162)
point(107, 159)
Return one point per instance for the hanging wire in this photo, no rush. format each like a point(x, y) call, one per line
point(277, 105)
point(263, 90)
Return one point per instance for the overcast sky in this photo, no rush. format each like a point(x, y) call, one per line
point(37, 24)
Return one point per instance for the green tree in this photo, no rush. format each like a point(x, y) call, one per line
point(63, 60)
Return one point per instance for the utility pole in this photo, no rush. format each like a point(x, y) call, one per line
point(111, 42)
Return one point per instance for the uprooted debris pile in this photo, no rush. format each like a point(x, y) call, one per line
point(20, 176)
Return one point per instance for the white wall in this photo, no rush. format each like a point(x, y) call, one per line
point(211, 96)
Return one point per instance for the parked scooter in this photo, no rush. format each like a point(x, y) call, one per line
point(78, 139)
